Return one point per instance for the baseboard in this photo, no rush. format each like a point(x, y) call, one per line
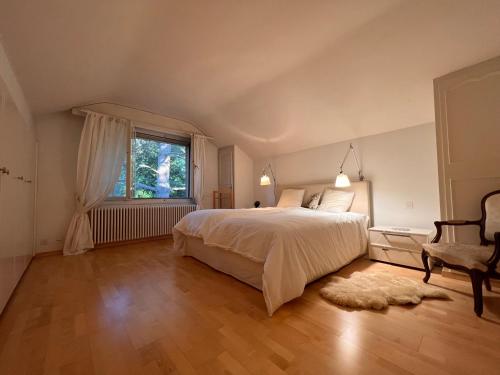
point(459, 275)
point(454, 274)
point(48, 253)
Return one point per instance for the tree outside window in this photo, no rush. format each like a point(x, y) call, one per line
point(160, 169)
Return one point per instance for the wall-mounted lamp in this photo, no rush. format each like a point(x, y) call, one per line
point(266, 181)
point(342, 179)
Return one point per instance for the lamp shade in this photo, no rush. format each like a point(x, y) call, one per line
point(341, 181)
point(265, 180)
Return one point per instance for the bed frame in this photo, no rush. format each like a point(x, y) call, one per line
point(362, 202)
point(251, 272)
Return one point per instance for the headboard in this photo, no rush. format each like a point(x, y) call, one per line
point(362, 202)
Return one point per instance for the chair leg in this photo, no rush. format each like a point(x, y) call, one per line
point(487, 283)
point(425, 261)
point(477, 288)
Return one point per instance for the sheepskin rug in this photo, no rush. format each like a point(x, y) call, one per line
point(377, 291)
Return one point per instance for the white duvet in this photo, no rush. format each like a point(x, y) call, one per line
point(296, 245)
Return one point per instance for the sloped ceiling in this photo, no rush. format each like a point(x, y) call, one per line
point(272, 76)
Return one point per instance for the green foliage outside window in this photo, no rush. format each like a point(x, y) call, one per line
point(159, 170)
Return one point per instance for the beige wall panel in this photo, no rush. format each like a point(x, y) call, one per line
point(473, 110)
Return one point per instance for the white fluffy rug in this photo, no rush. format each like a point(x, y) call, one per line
point(377, 291)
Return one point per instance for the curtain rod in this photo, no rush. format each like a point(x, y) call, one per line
point(79, 111)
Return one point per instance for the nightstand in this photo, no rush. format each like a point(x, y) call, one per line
point(398, 245)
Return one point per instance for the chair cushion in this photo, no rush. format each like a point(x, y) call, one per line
point(469, 256)
point(492, 224)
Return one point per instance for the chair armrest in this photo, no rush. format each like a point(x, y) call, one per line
point(439, 226)
point(458, 222)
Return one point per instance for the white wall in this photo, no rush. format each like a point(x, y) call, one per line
point(243, 179)
point(402, 166)
point(12, 86)
point(59, 137)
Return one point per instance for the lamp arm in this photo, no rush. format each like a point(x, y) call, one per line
point(274, 179)
point(351, 149)
point(271, 171)
point(345, 158)
point(361, 177)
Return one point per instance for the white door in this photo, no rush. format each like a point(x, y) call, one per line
point(17, 147)
point(6, 259)
point(468, 140)
point(226, 177)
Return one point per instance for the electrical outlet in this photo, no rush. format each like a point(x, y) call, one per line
point(409, 204)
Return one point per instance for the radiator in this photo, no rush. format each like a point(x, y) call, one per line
point(124, 223)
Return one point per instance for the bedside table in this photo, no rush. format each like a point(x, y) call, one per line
point(398, 245)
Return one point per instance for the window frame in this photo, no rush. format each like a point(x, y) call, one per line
point(160, 137)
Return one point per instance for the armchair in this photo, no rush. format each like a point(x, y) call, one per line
point(479, 261)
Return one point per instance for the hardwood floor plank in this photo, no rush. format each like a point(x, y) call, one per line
point(142, 309)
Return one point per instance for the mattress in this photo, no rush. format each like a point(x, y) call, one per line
point(292, 246)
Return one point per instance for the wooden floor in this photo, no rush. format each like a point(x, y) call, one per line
point(141, 309)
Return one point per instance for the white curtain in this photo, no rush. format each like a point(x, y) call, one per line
point(103, 147)
point(199, 166)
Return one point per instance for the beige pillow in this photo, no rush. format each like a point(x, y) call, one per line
point(291, 198)
point(314, 201)
point(336, 200)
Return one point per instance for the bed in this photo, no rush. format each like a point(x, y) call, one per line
point(278, 250)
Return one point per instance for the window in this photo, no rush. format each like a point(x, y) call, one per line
point(159, 168)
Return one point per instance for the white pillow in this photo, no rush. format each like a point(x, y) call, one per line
point(291, 198)
point(336, 200)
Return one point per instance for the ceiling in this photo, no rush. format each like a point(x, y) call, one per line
point(272, 76)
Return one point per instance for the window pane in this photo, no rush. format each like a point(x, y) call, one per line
point(160, 169)
point(121, 185)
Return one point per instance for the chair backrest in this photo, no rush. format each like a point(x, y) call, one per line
point(490, 221)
